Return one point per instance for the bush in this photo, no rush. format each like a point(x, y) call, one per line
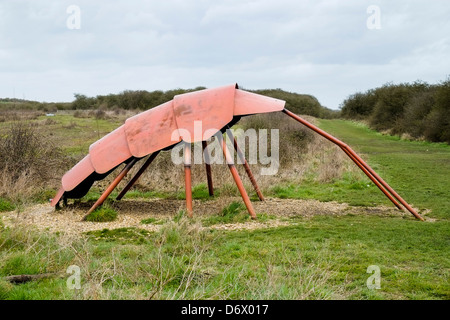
point(391, 101)
point(442, 113)
point(359, 105)
point(297, 103)
point(144, 100)
point(28, 161)
point(24, 150)
point(100, 114)
point(417, 109)
point(83, 102)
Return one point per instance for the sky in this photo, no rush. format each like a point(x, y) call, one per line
point(50, 50)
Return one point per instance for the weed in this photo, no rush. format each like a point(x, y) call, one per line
point(152, 221)
point(233, 213)
point(232, 210)
point(102, 214)
point(200, 191)
point(180, 214)
point(123, 235)
point(6, 205)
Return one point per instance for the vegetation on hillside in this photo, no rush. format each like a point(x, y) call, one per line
point(418, 110)
point(143, 100)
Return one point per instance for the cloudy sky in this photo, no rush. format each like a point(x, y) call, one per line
point(50, 50)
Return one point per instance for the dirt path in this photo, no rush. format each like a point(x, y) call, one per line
point(132, 212)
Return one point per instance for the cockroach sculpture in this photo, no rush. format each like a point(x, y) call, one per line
point(170, 123)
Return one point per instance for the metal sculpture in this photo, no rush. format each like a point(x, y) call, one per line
point(163, 127)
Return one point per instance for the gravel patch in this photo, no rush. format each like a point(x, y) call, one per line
point(132, 212)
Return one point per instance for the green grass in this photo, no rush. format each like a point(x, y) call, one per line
point(348, 189)
point(201, 192)
point(102, 214)
point(44, 196)
point(6, 205)
point(121, 235)
point(320, 258)
point(26, 251)
point(152, 221)
point(138, 194)
point(233, 213)
point(180, 214)
point(413, 256)
point(75, 135)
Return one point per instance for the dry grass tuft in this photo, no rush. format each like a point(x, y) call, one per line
point(28, 161)
point(22, 115)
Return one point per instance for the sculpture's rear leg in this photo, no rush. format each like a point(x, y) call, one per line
point(379, 182)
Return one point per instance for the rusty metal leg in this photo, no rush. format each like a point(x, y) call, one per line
point(375, 181)
point(187, 178)
point(112, 186)
point(138, 174)
point(361, 164)
point(383, 186)
point(208, 168)
point(246, 166)
point(237, 179)
point(348, 150)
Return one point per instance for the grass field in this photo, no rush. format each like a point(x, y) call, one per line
point(318, 257)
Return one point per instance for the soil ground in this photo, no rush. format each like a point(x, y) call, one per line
point(132, 212)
